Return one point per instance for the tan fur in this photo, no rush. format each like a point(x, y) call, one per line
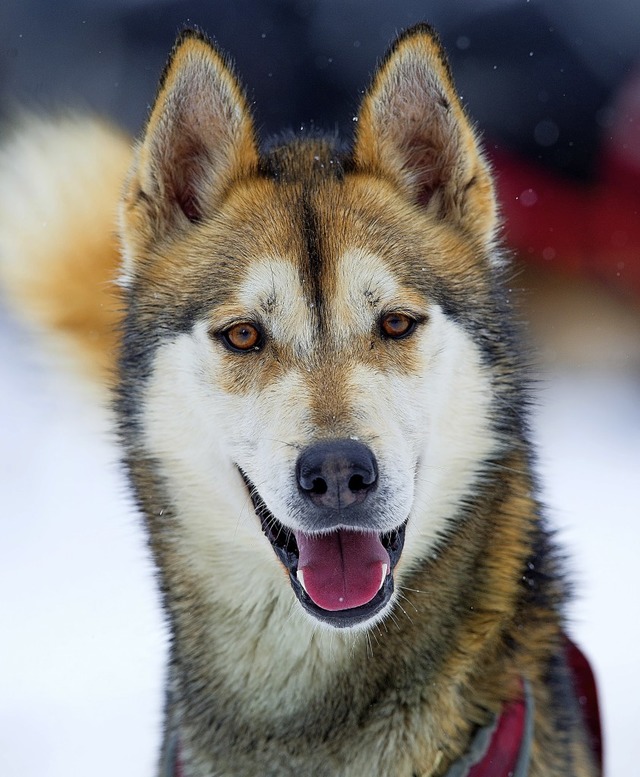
point(58, 243)
point(314, 250)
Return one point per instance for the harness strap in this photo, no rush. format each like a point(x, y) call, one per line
point(503, 748)
point(587, 693)
point(171, 765)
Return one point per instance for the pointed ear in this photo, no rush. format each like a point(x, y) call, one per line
point(199, 139)
point(413, 130)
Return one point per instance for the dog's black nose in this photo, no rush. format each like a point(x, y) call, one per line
point(336, 474)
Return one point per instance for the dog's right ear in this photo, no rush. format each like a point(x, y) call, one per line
point(199, 138)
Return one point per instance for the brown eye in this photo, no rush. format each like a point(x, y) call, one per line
point(397, 325)
point(242, 337)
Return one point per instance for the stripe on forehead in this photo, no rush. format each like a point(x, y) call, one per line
point(307, 170)
point(313, 248)
point(273, 288)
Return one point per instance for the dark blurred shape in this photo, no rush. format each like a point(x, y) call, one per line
point(539, 77)
point(524, 68)
point(590, 230)
point(544, 101)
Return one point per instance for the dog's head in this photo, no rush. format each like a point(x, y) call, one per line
point(307, 344)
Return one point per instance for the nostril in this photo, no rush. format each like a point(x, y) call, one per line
point(319, 486)
point(356, 483)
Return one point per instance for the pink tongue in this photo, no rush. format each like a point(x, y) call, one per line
point(343, 569)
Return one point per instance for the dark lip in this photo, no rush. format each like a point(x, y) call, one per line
point(285, 547)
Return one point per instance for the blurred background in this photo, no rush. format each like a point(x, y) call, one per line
point(555, 89)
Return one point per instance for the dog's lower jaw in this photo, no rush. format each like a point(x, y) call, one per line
point(362, 617)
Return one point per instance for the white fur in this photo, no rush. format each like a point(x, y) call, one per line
point(220, 535)
point(452, 410)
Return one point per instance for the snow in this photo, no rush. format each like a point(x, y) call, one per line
point(82, 645)
point(82, 650)
point(588, 430)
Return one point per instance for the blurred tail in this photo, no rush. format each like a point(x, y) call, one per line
point(60, 183)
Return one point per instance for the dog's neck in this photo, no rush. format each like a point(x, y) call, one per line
point(499, 749)
point(274, 653)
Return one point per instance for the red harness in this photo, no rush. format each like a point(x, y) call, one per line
point(585, 686)
point(508, 752)
point(510, 744)
point(504, 748)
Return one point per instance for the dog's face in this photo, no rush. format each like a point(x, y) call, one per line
point(312, 398)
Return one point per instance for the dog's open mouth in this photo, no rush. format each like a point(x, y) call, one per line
point(344, 577)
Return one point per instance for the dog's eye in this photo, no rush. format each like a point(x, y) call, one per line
point(242, 337)
point(397, 325)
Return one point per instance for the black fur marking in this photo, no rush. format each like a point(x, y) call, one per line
point(142, 196)
point(314, 254)
point(470, 184)
point(443, 102)
point(290, 157)
point(188, 33)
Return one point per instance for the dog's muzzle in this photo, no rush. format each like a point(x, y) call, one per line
point(340, 568)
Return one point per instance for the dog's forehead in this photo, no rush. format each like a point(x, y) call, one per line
point(326, 250)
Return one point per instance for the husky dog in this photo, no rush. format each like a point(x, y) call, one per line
point(323, 413)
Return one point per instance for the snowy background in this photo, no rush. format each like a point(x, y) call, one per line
point(82, 643)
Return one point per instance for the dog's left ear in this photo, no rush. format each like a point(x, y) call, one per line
point(413, 130)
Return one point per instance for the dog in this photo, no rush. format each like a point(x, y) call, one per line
point(321, 397)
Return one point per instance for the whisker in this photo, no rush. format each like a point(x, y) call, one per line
point(408, 601)
point(409, 618)
point(369, 645)
point(413, 590)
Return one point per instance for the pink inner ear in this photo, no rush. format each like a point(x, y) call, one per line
point(425, 164)
point(187, 176)
point(189, 205)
